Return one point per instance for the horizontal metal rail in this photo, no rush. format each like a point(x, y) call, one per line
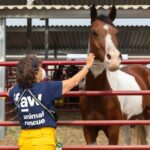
point(104, 147)
point(87, 122)
point(62, 62)
point(3, 94)
point(106, 93)
point(90, 147)
point(96, 93)
point(14, 63)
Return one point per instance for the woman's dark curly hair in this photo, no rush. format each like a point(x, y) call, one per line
point(26, 69)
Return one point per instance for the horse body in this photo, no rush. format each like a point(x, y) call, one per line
point(106, 75)
point(100, 108)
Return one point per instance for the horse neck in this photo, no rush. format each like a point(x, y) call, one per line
point(97, 68)
point(96, 79)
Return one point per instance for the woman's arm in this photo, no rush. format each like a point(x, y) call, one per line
point(74, 81)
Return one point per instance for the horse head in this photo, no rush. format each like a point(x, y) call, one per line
point(103, 39)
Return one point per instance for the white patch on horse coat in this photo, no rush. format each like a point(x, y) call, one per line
point(97, 68)
point(119, 80)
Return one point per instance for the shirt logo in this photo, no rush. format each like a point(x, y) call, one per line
point(26, 102)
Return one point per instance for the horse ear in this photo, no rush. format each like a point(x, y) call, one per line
point(93, 13)
point(112, 14)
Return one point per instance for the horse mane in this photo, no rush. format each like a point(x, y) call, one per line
point(105, 19)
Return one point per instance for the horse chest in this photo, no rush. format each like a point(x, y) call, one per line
point(119, 80)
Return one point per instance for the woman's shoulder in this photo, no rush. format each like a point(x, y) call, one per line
point(15, 88)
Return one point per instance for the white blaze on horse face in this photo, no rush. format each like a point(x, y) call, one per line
point(111, 49)
point(109, 45)
point(119, 80)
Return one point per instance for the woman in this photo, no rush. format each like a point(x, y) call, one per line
point(37, 125)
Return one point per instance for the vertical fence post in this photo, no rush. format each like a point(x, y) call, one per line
point(2, 72)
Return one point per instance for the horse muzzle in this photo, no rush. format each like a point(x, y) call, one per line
point(113, 64)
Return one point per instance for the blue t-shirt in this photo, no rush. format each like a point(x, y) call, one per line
point(31, 114)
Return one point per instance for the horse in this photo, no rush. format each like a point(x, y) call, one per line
point(106, 74)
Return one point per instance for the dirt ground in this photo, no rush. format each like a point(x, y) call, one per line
point(67, 135)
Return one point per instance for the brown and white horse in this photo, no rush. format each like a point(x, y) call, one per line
point(106, 74)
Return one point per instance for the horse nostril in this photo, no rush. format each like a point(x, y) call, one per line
point(108, 56)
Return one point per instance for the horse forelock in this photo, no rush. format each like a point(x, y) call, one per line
point(105, 19)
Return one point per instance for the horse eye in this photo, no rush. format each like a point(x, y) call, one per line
point(94, 33)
